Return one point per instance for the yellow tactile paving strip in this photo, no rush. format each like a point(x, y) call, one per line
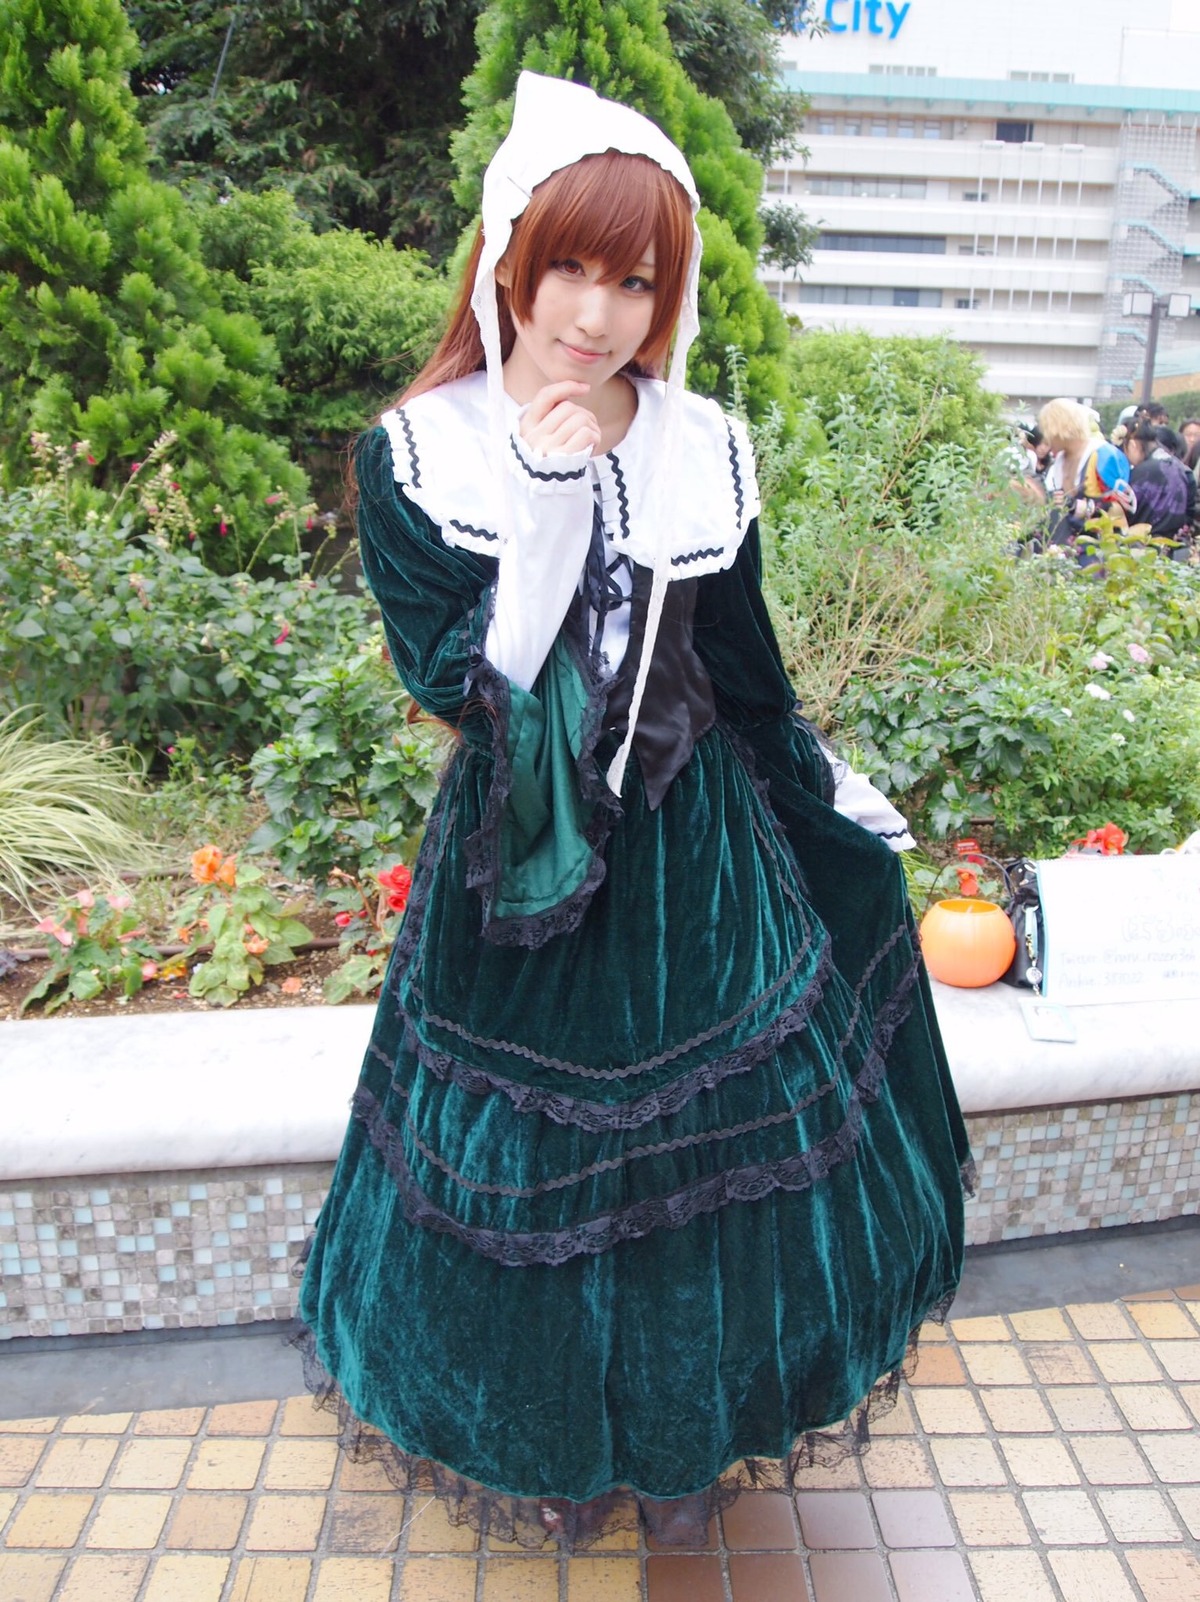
point(1048, 1456)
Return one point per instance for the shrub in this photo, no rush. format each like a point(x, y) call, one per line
point(138, 639)
point(350, 782)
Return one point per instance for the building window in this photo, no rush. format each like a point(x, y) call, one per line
point(975, 250)
point(827, 125)
point(1042, 77)
point(879, 128)
point(869, 188)
point(931, 129)
point(853, 127)
point(906, 128)
point(908, 244)
point(904, 72)
point(1014, 133)
point(976, 194)
point(777, 182)
point(967, 303)
point(876, 295)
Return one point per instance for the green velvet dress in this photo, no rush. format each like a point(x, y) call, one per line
point(655, 1162)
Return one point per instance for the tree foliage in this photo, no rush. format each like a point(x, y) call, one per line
point(624, 52)
point(111, 329)
point(354, 319)
point(350, 107)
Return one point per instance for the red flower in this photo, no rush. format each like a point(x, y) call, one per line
point(344, 919)
point(283, 634)
point(968, 884)
point(134, 468)
point(222, 528)
point(273, 500)
point(1106, 842)
point(396, 883)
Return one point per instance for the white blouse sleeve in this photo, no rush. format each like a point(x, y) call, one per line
point(540, 566)
point(856, 798)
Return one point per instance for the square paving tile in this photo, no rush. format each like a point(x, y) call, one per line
point(358, 1579)
point(151, 1465)
point(1060, 1363)
point(1150, 1407)
point(282, 1523)
point(1064, 1518)
point(1165, 1576)
point(365, 1523)
point(30, 1575)
point(968, 1461)
point(1125, 1362)
point(604, 1579)
point(1112, 1459)
point(684, 1579)
point(767, 1577)
point(1174, 1458)
point(1163, 1321)
point(898, 1464)
point(840, 1576)
point(1091, 1577)
point(913, 1518)
point(1034, 1460)
point(206, 1522)
point(50, 1519)
point(189, 1578)
point(1181, 1359)
point(271, 1579)
point(129, 1521)
point(18, 1456)
point(77, 1463)
point(989, 1518)
point(990, 1364)
point(1012, 1576)
point(1139, 1516)
point(112, 1577)
point(760, 1521)
point(1017, 1411)
point(450, 1579)
point(835, 1520)
point(931, 1577)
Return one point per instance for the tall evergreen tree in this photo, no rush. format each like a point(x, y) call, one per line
point(624, 52)
point(111, 328)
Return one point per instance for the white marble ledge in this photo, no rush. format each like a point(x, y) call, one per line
point(174, 1092)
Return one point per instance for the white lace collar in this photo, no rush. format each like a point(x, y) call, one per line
point(442, 461)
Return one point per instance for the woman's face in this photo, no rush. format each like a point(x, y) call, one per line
point(580, 327)
point(1135, 451)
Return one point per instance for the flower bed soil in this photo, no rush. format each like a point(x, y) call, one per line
point(171, 995)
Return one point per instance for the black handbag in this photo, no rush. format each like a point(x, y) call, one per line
point(1025, 913)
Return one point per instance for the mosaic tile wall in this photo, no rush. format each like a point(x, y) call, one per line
point(167, 1251)
point(1056, 1169)
point(101, 1254)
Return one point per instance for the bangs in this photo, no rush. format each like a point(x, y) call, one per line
point(610, 209)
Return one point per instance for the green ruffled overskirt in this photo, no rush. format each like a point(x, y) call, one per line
point(670, 1190)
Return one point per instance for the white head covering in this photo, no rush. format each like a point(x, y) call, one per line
point(555, 124)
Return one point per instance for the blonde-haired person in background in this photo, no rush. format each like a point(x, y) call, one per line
point(1087, 474)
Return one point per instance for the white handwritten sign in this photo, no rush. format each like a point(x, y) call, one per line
point(1120, 928)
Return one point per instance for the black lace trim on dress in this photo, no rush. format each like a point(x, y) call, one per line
point(414, 471)
point(556, 478)
point(800, 1171)
point(599, 1117)
point(648, 1064)
point(469, 528)
point(622, 496)
point(735, 466)
point(535, 1521)
point(695, 556)
point(482, 848)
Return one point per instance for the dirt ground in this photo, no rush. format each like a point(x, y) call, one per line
point(171, 995)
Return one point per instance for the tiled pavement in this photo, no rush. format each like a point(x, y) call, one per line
point(1047, 1456)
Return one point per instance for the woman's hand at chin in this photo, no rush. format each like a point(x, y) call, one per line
point(556, 424)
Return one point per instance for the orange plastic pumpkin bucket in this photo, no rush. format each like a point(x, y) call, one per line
point(967, 943)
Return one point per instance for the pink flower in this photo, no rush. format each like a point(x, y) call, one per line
point(344, 920)
point(1138, 653)
point(119, 903)
point(283, 634)
point(273, 500)
point(91, 460)
point(134, 468)
point(222, 528)
point(48, 926)
point(86, 900)
point(1099, 662)
point(149, 971)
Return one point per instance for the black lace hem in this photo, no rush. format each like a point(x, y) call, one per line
point(482, 848)
point(599, 1117)
point(534, 1522)
point(516, 1248)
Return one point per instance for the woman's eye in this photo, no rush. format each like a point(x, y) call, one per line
point(569, 266)
point(640, 286)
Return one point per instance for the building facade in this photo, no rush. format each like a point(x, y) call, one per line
point(1008, 176)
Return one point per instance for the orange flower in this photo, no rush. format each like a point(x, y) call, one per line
point(227, 873)
point(205, 863)
point(1110, 841)
point(968, 884)
point(395, 884)
point(291, 987)
point(256, 945)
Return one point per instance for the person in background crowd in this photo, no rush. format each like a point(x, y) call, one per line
point(1033, 456)
point(1153, 412)
point(1190, 429)
point(1088, 473)
point(1163, 487)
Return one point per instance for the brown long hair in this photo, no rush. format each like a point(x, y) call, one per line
point(606, 208)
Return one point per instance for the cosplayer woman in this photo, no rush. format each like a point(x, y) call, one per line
point(654, 1163)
